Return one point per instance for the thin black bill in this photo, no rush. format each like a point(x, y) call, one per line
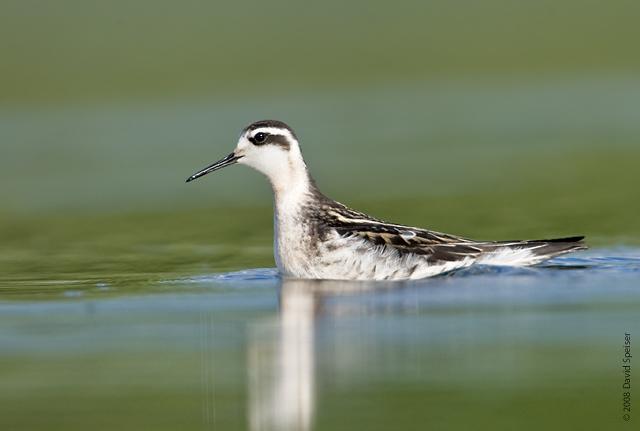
point(231, 159)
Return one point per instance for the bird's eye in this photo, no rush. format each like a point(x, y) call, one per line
point(259, 138)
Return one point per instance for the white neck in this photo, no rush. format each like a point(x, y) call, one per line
point(287, 173)
point(291, 186)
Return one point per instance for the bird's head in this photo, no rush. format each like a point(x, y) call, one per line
point(268, 146)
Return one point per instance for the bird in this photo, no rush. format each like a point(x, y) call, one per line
point(318, 238)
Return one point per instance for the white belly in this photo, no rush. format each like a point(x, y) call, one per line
point(299, 253)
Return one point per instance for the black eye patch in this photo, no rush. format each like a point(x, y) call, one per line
point(264, 138)
point(260, 138)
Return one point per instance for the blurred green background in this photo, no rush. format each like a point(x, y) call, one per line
point(494, 120)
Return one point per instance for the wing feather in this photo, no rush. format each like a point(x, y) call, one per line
point(433, 246)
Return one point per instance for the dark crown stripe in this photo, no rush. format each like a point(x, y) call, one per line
point(268, 123)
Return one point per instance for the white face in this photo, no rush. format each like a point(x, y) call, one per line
point(267, 149)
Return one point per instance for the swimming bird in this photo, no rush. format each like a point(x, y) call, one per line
point(318, 238)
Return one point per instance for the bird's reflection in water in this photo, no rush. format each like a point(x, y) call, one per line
point(281, 362)
point(281, 356)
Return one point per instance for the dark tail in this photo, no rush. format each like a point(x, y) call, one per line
point(542, 249)
point(549, 248)
point(555, 247)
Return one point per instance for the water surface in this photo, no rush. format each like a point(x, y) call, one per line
point(484, 348)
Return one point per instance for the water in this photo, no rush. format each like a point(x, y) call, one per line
point(484, 348)
point(128, 299)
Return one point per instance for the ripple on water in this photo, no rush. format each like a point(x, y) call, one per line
point(612, 262)
point(251, 276)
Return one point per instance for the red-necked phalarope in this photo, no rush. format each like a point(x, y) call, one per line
point(318, 238)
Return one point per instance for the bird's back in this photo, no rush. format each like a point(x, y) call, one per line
point(353, 245)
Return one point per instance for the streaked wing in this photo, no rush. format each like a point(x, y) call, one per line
point(434, 246)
